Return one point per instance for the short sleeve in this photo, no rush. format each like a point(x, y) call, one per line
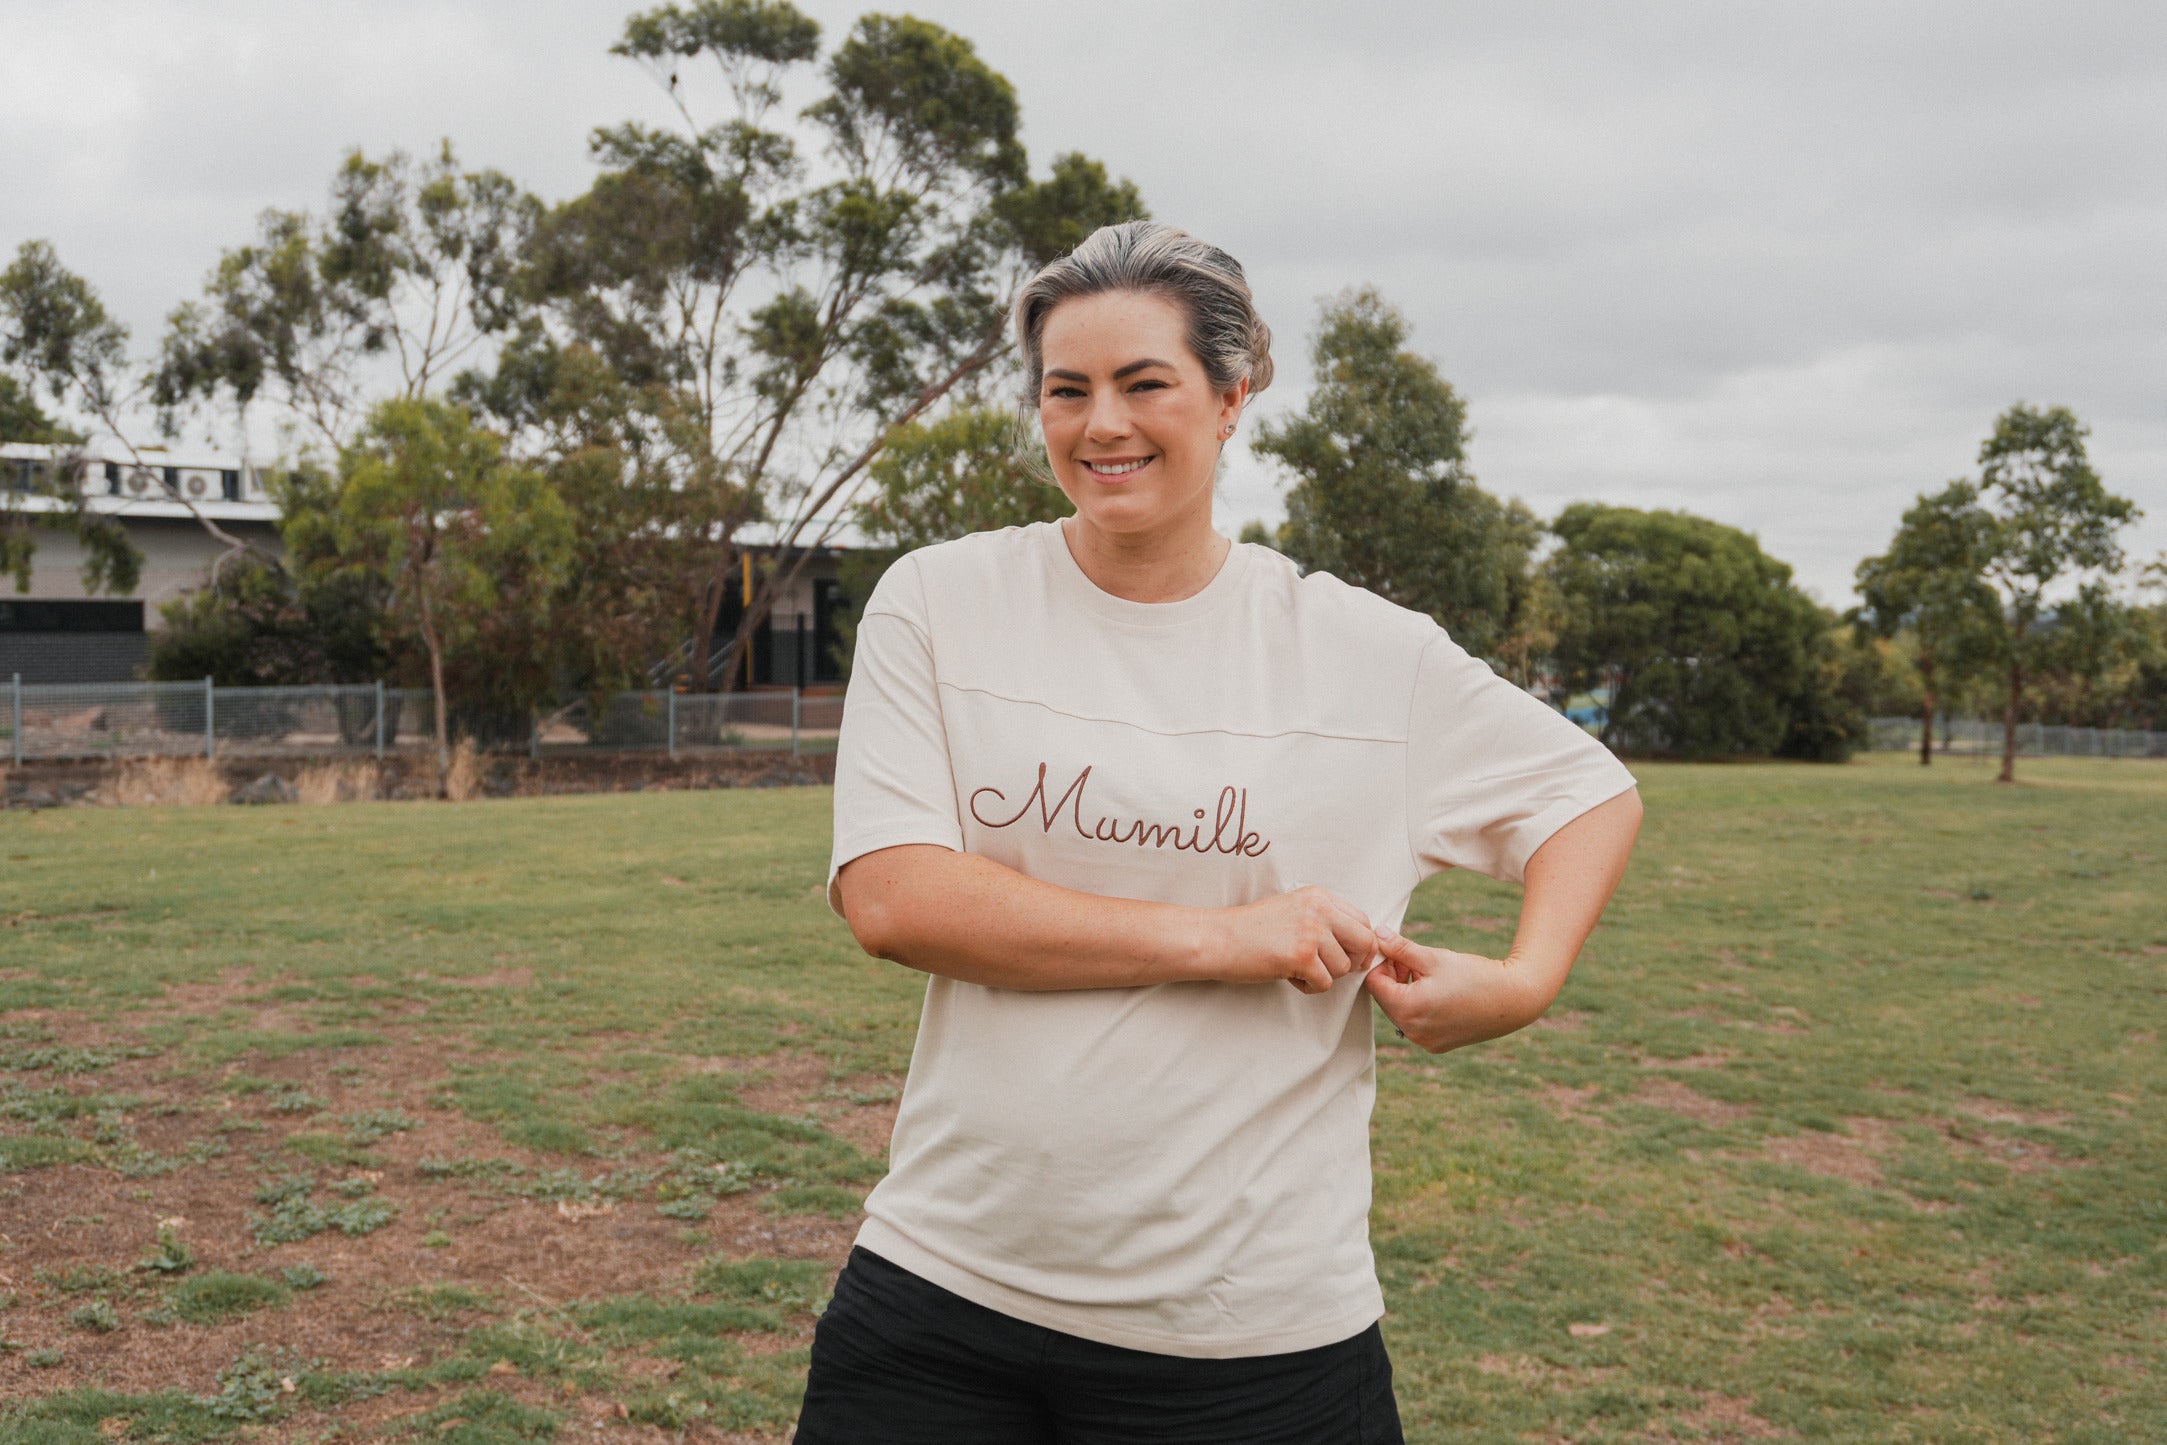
point(1492, 771)
point(893, 781)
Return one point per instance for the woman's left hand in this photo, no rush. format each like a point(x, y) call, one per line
point(1445, 1000)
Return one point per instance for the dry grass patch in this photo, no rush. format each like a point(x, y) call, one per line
point(463, 779)
point(344, 782)
point(168, 783)
point(1678, 1099)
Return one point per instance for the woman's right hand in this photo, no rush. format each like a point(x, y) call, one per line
point(1311, 937)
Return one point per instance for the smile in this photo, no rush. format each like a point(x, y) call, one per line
point(1120, 468)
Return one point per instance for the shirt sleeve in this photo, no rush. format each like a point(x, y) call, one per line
point(893, 780)
point(1493, 771)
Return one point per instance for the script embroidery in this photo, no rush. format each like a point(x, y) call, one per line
point(1229, 826)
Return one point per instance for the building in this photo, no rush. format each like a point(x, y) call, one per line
point(56, 632)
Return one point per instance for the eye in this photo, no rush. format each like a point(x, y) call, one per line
point(1149, 386)
point(1064, 392)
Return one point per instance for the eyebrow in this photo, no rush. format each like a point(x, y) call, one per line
point(1132, 367)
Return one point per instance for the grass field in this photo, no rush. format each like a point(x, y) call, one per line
point(547, 1120)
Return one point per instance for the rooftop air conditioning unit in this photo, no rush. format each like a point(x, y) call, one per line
point(196, 485)
point(139, 480)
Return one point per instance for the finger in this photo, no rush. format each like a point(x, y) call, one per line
point(1311, 977)
point(1333, 957)
point(1406, 954)
point(1391, 993)
point(1356, 936)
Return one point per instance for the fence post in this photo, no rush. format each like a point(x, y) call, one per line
point(18, 719)
point(210, 720)
point(673, 723)
point(796, 693)
point(379, 720)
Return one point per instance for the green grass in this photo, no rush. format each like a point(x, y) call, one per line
point(1849, 1125)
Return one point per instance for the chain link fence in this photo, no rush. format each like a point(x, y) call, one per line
point(53, 721)
point(1981, 737)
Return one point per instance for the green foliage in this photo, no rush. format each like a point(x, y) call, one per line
point(469, 549)
point(935, 481)
point(370, 1125)
point(414, 262)
point(1382, 496)
point(266, 622)
point(2048, 517)
point(486, 1417)
point(170, 1255)
point(1704, 643)
point(55, 333)
point(97, 1315)
point(23, 420)
point(216, 1296)
point(255, 1387)
point(302, 1277)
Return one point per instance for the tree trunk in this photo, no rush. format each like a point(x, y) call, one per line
point(2009, 715)
point(703, 640)
point(436, 687)
point(1926, 692)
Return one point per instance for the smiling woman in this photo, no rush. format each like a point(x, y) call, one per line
point(1146, 805)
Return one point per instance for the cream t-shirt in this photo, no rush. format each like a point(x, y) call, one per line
point(1181, 1168)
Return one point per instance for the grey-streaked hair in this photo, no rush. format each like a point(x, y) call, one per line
point(1225, 331)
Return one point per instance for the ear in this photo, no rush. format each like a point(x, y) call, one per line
point(1230, 407)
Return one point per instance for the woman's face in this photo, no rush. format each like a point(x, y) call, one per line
point(1133, 427)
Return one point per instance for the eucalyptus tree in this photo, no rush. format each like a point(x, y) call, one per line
point(468, 547)
point(2052, 520)
point(1931, 582)
point(406, 276)
point(1383, 497)
point(56, 336)
point(780, 293)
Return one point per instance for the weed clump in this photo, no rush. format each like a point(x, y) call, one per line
point(370, 1125)
point(217, 1296)
point(98, 1315)
point(168, 783)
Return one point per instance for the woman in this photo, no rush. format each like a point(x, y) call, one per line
point(1146, 805)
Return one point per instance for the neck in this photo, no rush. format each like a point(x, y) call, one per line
point(1160, 566)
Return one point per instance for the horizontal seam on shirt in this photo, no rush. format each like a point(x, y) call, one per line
point(1177, 732)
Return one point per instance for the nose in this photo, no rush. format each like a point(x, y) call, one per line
point(1109, 417)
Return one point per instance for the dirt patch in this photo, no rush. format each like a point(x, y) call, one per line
point(1719, 1418)
point(1849, 1156)
point(2018, 1156)
point(1571, 1104)
point(77, 1231)
point(1527, 1370)
point(1678, 1099)
point(1995, 1112)
point(1566, 1021)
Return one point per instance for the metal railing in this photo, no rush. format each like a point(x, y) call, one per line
point(1982, 737)
point(41, 721)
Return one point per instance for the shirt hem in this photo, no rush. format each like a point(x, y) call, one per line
point(1089, 1322)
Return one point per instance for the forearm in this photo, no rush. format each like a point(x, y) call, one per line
point(1568, 882)
point(966, 917)
point(1443, 999)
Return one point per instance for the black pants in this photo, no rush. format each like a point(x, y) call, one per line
point(898, 1360)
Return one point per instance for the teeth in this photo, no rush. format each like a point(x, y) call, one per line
point(1116, 471)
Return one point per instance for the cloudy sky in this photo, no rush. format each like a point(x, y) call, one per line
point(1780, 265)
